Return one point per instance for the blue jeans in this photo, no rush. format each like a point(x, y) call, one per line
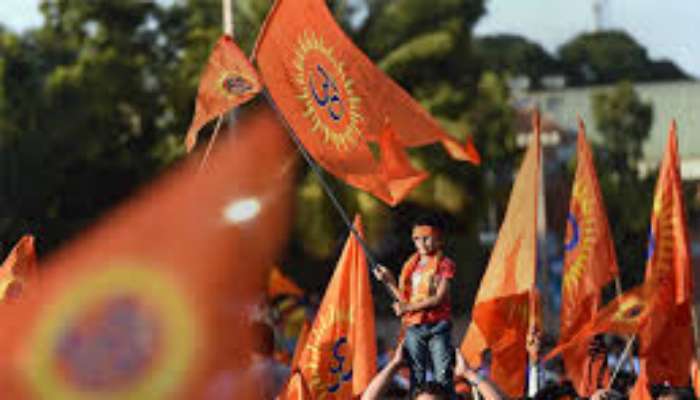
point(430, 343)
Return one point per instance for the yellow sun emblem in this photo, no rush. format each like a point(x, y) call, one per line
point(662, 238)
point(581, 234)
point(630, 310)
point(329, 362)
point(327, 93)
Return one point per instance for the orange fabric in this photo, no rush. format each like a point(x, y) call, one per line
point(228, 81)
point(19, 269)
point(640, 390)
point(278, 285)
point(395, 169)
point(509, 281)
point(296, 389)
point(589, 264)
point(695, 376)
point(301, 343)
point(667, 341)
point(339, 358)
point(626, 315)
point(145, 303)
point(425, 287)
point(335, 98)
point(424, 230)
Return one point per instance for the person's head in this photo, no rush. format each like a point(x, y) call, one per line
point(430, 391)
point(427, 235)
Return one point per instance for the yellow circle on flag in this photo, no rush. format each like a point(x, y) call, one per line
point(120, 332)
point(327, 93)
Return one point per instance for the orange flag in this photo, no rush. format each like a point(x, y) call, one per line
point(626, 315)
point(501, 316)
point(301, 343)
point(589, 264)
point(395, 169)
point(278, 285)
point(339, 358)
point(335, 98)
point(228, 81)
point(296, 388)
point(667, 341)
point(144, 304)
point(19, 269)
point(640, 390)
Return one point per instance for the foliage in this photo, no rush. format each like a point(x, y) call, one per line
point(624, 122)
point(610, 56)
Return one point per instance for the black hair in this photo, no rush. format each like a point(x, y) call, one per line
point(432, 388)
point(433, 220)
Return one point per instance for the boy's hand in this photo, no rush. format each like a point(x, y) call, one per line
point(383, 274)
point(399, 308)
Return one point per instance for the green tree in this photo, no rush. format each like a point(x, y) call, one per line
point(624, 122)
point(515, 55)
point(611, 56)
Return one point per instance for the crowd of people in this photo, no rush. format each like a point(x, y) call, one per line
point(426, 365)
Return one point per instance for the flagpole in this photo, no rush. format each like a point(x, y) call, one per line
point(227, 27)
point(324, 184)
point(622, 359)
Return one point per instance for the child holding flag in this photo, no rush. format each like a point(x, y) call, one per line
point(424, 304)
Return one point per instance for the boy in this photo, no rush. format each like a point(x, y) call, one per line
point(424, 304)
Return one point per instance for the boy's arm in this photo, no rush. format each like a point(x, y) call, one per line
point(385, 276)
point(381, 381)
point(443, 290)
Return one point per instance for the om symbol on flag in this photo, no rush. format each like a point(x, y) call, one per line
point(326, 93)
point(338, 370)
point(331, 95)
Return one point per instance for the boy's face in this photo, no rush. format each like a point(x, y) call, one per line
point(426, 239)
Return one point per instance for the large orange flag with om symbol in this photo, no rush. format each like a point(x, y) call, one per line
point(589, 264)
point(336, 99)
point(152, 303)
point(339, 356)
point(502, 310)
point(667, 341)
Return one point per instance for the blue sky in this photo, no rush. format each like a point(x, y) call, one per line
point(669, 29)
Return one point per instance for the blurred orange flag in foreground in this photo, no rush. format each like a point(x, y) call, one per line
point(590, 264)
point(339, 358)
point(152, 302)
point(667, 340)
point(278, 285)
point(336, 99)
point(501, 312)
point(228, 81)
point(19, 269)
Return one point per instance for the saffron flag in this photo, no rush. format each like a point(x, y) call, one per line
point(667, 341)
point(335, 98)
point(19, 270)
point(395, 169)
point(502, 310)
point(278, 285)
point(301, 343)
point(296, 388)
point(339, 358)
point(228, 81)
point(626, 315)
point(589, 264)
point(143, 305)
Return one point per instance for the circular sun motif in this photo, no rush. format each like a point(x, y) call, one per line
point(660, 249)
point(235, 84)
point(330, 362)
point(628, 311)
point(327, 93)
point(121, 332)
point(580, 235)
